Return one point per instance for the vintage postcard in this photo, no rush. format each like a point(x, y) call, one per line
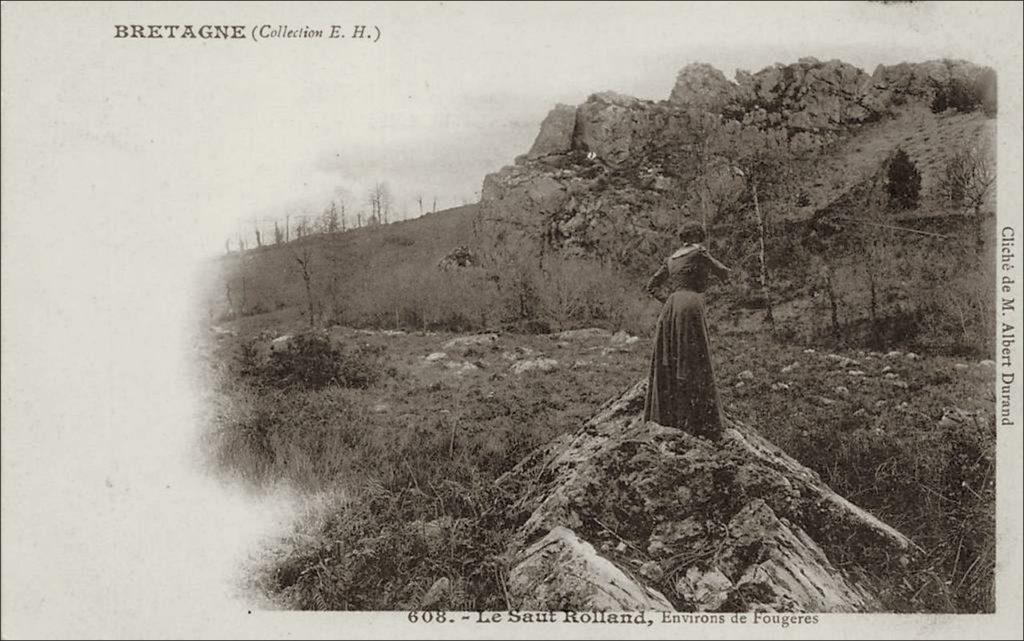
point(511, 320)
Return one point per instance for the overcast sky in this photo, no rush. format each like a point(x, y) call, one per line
point(217, 132)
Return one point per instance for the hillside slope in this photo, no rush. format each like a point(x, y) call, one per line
point(266, 284)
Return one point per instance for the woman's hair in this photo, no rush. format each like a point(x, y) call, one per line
point(691, 232)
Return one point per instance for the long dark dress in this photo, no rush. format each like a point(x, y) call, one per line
point(681, 388)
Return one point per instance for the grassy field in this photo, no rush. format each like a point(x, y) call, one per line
point(399, 447)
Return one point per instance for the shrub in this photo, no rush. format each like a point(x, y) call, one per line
point(310, 361)
point(968, 178)
point(965, 95)
point(986, 89)
point(904, 181)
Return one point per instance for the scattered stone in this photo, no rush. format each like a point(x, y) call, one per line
point(435, 356)
point(840, 389)
point(745, 375)
point(911, 356)
point(987, 363)
point(826, 401)
point(281, 342)
point(467, 341)
point(860, 412)
point(856, 372)
point(810, 350)
point(890, 375)
point(897, 383)
point(789, 368)
point(955, 417)
point(583, 334)
point(517, 353)
point(887, 369)
point(894, 354)
point(741, 384)
point(463, 367)
point(777, 387)
point(623, 338)
point(381, 407)
point(960, 366)
point(437, 593)
point(534, 365)
point(843, 361)
point(580, 364)
point(222, 331)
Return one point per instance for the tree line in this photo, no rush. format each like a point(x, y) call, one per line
point(377, 208)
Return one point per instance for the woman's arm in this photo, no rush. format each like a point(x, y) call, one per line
point(717, 268)
point(655, 282)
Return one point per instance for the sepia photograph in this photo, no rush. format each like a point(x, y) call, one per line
point(494, 320)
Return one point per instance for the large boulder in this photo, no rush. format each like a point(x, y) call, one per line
point(613, 126)
point(631, 515)
point(555, 135)
point(701, 86)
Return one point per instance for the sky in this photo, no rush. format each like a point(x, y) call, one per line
point(223, 132)
point(126, 164)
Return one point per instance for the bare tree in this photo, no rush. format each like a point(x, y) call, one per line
point(381, 202)
point(968, 182)
point(875, 240)
point(759, 158)
point(419, 202)
point(278, 234)
point(304, 257)
point(329, 222)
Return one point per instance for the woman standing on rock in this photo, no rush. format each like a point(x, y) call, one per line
point(681, 388)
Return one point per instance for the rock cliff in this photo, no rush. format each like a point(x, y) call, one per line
point(628, 515)
point(610, 175)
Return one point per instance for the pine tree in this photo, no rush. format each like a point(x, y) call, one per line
point(904, 181)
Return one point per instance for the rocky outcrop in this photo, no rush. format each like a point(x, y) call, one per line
point(628, 515)
point(701, 86)
point(613, 126)
point(556, 130)
point(896, 84)
point(610, 176)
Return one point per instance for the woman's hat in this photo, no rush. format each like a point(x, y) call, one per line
point(691, 231)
